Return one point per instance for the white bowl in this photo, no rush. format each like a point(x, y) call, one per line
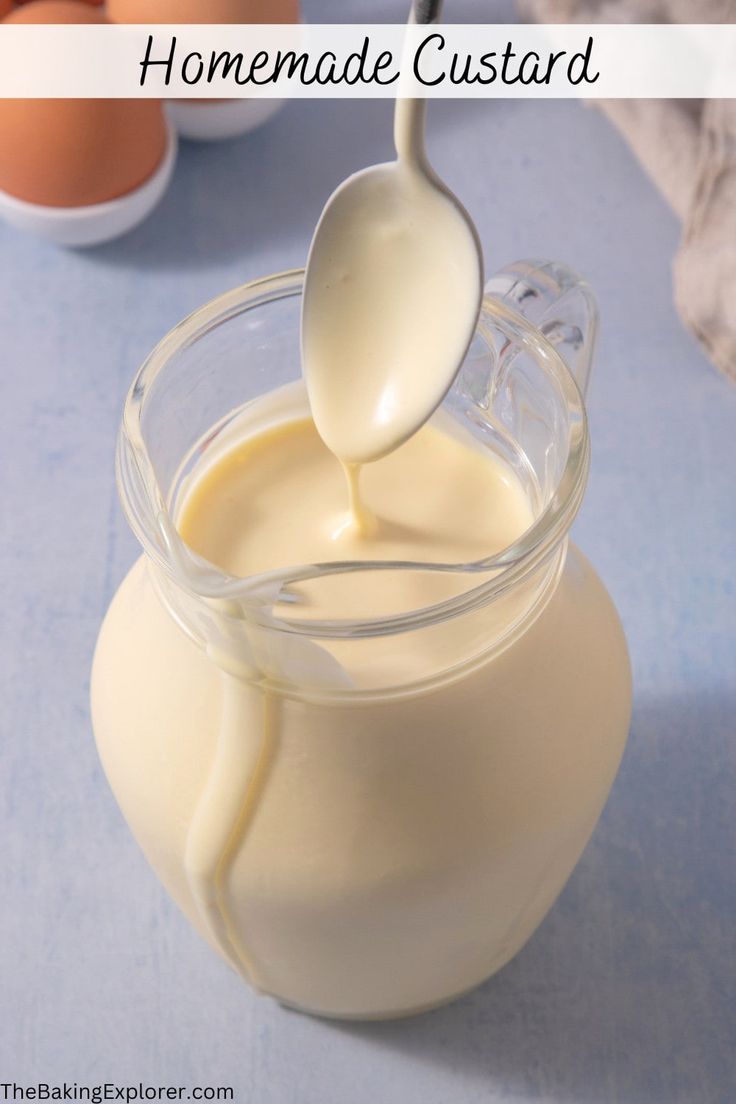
point(97, 222)
point(211, 121)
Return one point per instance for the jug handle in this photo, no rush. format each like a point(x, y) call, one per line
point(559, 303)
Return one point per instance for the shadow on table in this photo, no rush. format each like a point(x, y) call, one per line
point(235, 199)
point(627, 992)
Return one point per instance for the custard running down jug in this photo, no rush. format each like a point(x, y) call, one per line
point(369, 811)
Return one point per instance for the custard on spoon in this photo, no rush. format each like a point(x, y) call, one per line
point(392, 292)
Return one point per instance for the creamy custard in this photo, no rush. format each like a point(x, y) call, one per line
point(278, 499)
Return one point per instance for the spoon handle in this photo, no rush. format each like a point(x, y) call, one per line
point(409, 114)
point(426, 11)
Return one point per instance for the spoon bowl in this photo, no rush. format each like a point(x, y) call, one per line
point(392, 294)
point(393, 246)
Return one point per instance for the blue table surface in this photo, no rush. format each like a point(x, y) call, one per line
point(627, 992)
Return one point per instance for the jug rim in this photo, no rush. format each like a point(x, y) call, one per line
point(146, 506)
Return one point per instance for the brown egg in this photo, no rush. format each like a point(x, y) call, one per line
point(5, 7)
point(203, 11)
point(93, 3)
point(71, 153)
point(56, 11)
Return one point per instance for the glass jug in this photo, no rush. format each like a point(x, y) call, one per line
point(363, 848)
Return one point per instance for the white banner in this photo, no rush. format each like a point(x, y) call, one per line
point(365, 61)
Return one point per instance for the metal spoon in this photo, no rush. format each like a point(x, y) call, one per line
point(392, 292)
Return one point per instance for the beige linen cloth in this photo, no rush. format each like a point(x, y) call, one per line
point(688, 147)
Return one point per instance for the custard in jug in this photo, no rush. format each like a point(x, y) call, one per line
point(362, 717)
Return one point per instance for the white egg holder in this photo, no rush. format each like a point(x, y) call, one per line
point(97, 222)
point(101, 222)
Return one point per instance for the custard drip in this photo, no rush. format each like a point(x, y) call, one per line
point(244, 749)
